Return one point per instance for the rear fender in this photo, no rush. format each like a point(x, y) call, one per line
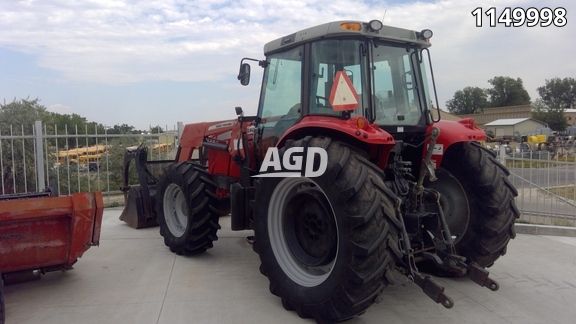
point(453, 132)
point(368, 138)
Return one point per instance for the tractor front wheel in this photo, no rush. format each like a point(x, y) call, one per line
point(327, 244)
point(187, 209)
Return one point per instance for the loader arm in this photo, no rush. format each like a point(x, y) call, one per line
point(139, 210)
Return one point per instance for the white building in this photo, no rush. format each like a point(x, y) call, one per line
point(515, 127)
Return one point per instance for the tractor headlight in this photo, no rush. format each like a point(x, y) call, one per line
point(426, 34)
point(375, 25)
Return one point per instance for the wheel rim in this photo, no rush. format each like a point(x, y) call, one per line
point(454, 203)
point(175, 210)
point(303, 231)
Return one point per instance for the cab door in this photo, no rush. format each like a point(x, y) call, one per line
point(281, 96)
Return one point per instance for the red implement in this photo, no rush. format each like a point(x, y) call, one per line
point(48, 233)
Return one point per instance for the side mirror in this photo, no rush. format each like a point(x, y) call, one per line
point(239, 111)
point(244, 74)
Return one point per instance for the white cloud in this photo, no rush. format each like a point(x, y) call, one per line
point(120, 41)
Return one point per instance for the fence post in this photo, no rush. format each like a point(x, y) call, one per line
point(180, 126)
point(502, 154)
point(38, 137)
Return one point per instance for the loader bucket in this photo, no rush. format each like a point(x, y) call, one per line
point(139, 200)
point(47, 233)
point(138, 210)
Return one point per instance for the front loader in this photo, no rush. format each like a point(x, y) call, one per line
point(347, 175)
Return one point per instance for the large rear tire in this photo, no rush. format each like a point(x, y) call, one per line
point(187, 209)
point(327, 244)
point(491, 200)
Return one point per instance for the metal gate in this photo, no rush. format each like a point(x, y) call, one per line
point(546, 183)
point(34, 158)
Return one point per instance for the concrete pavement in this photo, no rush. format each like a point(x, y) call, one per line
point(133, 278)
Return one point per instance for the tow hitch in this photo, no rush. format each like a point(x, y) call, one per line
point(481, 277)
point(423, 215)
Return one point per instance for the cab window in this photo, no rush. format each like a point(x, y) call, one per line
point(281, 93)
point(396, 97)
point(328, 58)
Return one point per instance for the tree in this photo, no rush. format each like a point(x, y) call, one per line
point(470, 100)
point(123, 129)
point(18, 154)
point(25, 112)
point(559, 93)
point(553, 117)
point(17, 118)
point(21, 112)
point(156, 130)
point(507, 91)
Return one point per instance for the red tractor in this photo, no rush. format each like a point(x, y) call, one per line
point(347, 175)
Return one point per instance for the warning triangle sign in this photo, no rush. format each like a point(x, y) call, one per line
point(343, 96)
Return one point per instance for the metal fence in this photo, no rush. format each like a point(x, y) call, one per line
point(68, 160)
point(545, 180)
point(35, 157)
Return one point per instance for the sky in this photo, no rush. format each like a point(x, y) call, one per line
point(162, 61)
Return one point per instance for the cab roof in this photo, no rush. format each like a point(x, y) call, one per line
point(335, 29)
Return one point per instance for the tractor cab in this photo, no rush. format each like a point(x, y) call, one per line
point(345, 70)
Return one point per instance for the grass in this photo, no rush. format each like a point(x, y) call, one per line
point(519, 162)
point(114, 204)
point(113, 200)
point(568, 192)
point(537, 164)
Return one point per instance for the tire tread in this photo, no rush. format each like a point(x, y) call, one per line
point(199, 190)
point(370, 211)
point(491, 197)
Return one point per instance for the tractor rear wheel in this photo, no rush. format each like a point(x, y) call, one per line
point(327, 244)
point(187, 209)
point(490, 196)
